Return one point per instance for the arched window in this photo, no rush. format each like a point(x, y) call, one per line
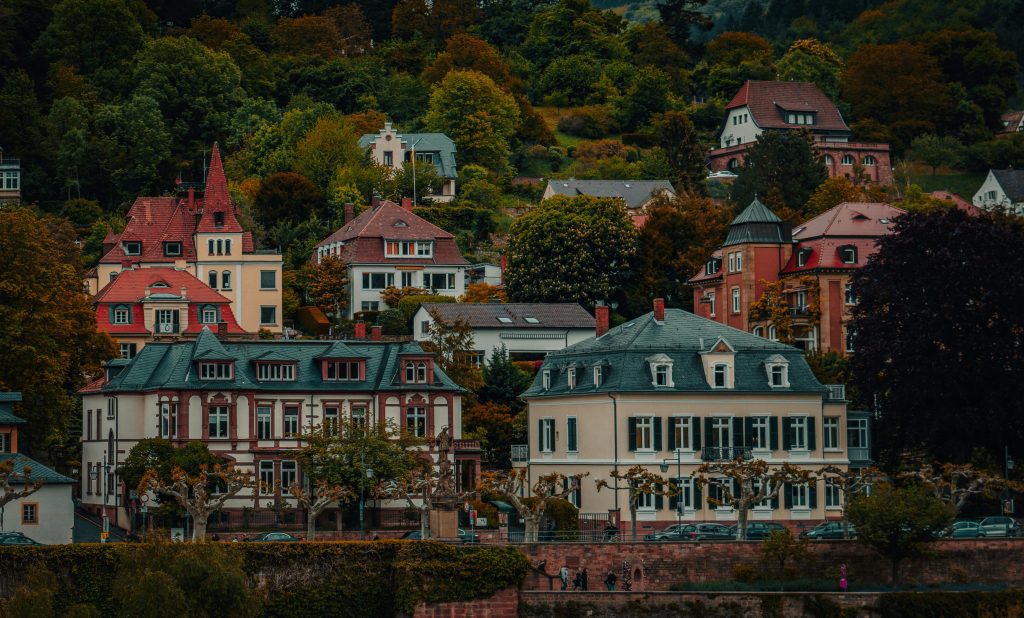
point(829, 160)
point(213, 279)
point(772, 334)
point(869, 160)
point(848, 160)
point(421, 372)
point(227, 247)
point(758, 331)
point(225, 280)
point(209, 245)
point(734, 164)
point(410, 372)
point(220, 247)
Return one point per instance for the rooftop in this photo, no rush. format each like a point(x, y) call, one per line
point(635, 193)
point(515, 315)
point(769, 100)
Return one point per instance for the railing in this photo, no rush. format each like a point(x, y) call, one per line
point(799, 311)
point(859, 453)
point(467, 445)
point(520, 453)
point(725, 453)
point(836, 392)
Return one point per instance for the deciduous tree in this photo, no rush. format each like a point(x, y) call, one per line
point(316, 498)
point(16, 484)
point(936, 151)
point(513, 485)
point(676, 135)
point(756, 480)
point(637, 481)
point(483, 292)
point(288, 197)
point(200, 494)
point(955, 483)
point(810, 60)
point(851, 482)
point(328, 285)
point(784, 162)
point(452, 346)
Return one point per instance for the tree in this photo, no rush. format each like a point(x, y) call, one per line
point(315, 500)
point(649, 94)
point(784, 162)
point(677, 137)
point(466, 52)
point(309, 35)
point(477, 115)
point(200, 494)
point(130, 145)
point(781, 547)
point(734, 57)
point(638, 481)
point(954, 483)
point(810, 60)
point(288, 197)
point(681, 17)
point(492, 424)
point(756, 480)
point(570, 249)
point(898, 522)
point(512, 485)
point(936, 151)
point(330, 144)
point(831, 193)
point(483, 292)
point(851, 482)
point(49, 345)
point(915, 362)
point(452, 347)
point(163, 457)
point(328, 285)
point(15, 484)
point(662, 246)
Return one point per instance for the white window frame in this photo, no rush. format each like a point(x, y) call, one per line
point(597, 376)
point(724, 373)
point(267, 477)
point(739, 261)
point(735, 300)
point(264, 423)
point(209, 315)
point(644, 433)
point(721, 426)
point(430, 278)
point(858, 426)
point(732, 262)
point(798, 433)
point(547, 435)
point(849, 297)
point(571, 377)
point(122, 315)
point(778, 371)
point(833, 495)
point(168, 420)
point(290, 420)
point(215, 371)
point(289, 473)
point(219, 417)
point(408, 279)
point(661, 374)
point(711, 297)
point(682, 430)
point(646, 502)
point(684, 500)
point(275, 372)
point(416, 420)
point(830, 433)
point(848, 255)
point(368, 280)
point(225, 280)
point(272, 307)
point(761, 428)
point(546, 379)
point(800, 495)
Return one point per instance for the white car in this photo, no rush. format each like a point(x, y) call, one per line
point(724, 174)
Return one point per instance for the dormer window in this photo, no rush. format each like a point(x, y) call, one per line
point(208, 314)
point(275, 372)
point(342, 371)
point(572, 377)
point(598, 374)
point(721, 375)
point(802, 256)
point(218, 219)
point(546, 379)
point(172, 249)
point(133, 247)
point(661, 370)
point(711, 267)
point(215, 371)
point(661, 375)
point(805, 118)
point(121, 315)
point(408, 248)
point(848, 254)
point(777, 368)
point(415, 372)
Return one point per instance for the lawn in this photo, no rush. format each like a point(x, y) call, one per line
point(964, 184)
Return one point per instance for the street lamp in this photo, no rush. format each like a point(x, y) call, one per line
point(1007, 504)
point(367, 474)
point(679, 475)
point(412, 149)
point(104, 489)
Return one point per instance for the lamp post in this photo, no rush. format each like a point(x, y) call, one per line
point(106, 488)
point(679, 475)
point(365, 473)
point(1008, 462)
point(412, 149)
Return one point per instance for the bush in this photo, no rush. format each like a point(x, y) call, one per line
point(392, 322)
point(744, 573)
point(927, 604)
point(592, 122)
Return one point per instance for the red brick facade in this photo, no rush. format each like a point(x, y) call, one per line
point(841, 158)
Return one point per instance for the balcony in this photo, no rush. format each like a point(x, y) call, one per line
point(520, 453)
point(466, 445)
point(859, 453)
point(836, 392)
point(800, 312)
point(725, 453)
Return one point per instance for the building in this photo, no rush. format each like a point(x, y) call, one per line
point(395, 150)
point(1002, 191)
point(787, 106)
point(636, 194)
point(815, 262)
point(1012, 122)
point(161, 304)
point(251, 402)
point(671, 390)
point(528, 331)
point(484, 272)
point(46, 516)
point(200, 235)
point(10, 179)
point(388, 245)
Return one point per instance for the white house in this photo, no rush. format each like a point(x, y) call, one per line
point(636, 194)
point(395, 150)
point(527, 330)
point(1002, 190)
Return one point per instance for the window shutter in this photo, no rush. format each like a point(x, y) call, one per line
point(773, 429)
point(708, 430)
point(811, 434)
point(812, 494)
point(737, 431)
point(698, 499)
point(659, 500)
point(540, 431)
point(571, 429)
point(657, 433)
point(632, 433)
point(775, 502)
point(786, 423)
point(673, 500)
point(787, 497)
point(696, 433)
point(748, 429)
point(673, 422)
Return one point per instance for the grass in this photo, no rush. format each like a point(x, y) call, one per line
point(964, 184)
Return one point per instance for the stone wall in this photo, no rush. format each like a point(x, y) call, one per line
point(505, 604)
point(657, 566)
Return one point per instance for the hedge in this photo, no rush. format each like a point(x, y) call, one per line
point(929, 604)
point(347, 578)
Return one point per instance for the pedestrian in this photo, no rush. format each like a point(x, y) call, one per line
point(610, 531)
point(563, 574)
point(843, 583)
point(609, 580)
point(583, 579)
point(577, 581)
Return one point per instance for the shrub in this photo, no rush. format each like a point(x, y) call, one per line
point(392, 322)
point(592, 122)
point(744, 573)
point(927, 604)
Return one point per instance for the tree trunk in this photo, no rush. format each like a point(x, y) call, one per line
point(311, 524)
point(632, 522)
point(198, 529)
point(424, 514)
point(741, 527)
point(531, 526)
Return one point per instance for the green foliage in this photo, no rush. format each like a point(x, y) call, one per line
point(936, 151)
point(782, 548)
point(809, 60)
point(288, 197)
point(927, 604)
point(503, 381)
point(461, 215)
point(590, 121)
point(565, 515)
point(161, 455)
point(342, 457)
point(409, 305)
point(392, 322)
point(132, 143)
point(784, 165)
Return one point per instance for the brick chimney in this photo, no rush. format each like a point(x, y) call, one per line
point(375, 202)
point(601, 314)
point(659, 309)
point(407, 203)
point(191, 199)
point(375, 333)
point(350, 212)
point(360, 329)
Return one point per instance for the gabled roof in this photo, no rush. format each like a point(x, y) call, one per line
point(130, 286)
point(515, 315)
point(37, 471)
point(757, 223)
point(437, 143)
point(339, 349)
point(7, 401)
point(635, 193)
point(216, 199)
point(1012, 182)
point(850, 224)
point(208, 347)
point(274, 356)
point(768, 102)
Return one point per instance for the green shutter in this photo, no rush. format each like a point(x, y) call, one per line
point(773, 429)
point(708, 433)
point(632, 433)
point(698, 499)
point(737, 432)
point(695, 433)
point(775, 502)
point(673, 500)
point(540, 434)
point(571, 430)
point(812, 491)
point(672, 423)
point(787, 497)
point(659, 500)
point(657, 432)
point(748, 430)
point(786, 431)
point(812, 441)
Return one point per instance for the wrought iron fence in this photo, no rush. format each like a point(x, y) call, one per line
point(725, 453)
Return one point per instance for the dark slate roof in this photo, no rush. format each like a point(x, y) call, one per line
point(38, 472)
point(769, 102)
point(757, 223)
point(1012, 182)
point(7, 401)
point(173, 366)
point(635, 193)
point(436, 143)
point(485, 315)
point(624, 351)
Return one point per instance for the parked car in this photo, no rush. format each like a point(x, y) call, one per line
point(700, 532)
point(275, 537)
point(963, 529)
point(465, 537)
point(16, 538)
point(828, 530)
point(723, 174)
point(757, 530)
point(672, 533)
point(1000, 526)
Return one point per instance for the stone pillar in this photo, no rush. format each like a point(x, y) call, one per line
point(444, 519)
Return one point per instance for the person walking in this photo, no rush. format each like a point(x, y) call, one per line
point(563, 574)
point(610, 580)
point(583, 579)
point(577, 581)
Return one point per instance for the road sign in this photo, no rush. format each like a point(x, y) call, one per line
point(472, 515)
point(481, 521)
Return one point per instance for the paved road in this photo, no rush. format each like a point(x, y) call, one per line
point(87, 530)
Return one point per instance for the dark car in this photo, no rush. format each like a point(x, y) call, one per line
point(276, 537)
point(16, 538)
point(757, 530)
point(671, 533)
point(465, 537)
point(700, 532)
point(828, 530)
point(1000, 526)
point(963, 529)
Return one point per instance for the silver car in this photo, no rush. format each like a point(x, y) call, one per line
point(1000, 526)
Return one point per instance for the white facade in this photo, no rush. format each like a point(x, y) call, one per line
point(52, 509)
point(365, 291)
point(991, 196)
point(739, 128)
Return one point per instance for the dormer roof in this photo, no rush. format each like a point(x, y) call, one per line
point(339, 349)
point(208, 347)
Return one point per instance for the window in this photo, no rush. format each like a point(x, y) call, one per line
point(227, 245)
point(378, 281)
point(421, 372)
point(264, 423)
point(209, 315)
point(215, 371)
point(685, 498)
point(122, 315)
point(851, 296)
point(225, 280)
point(661, 375)
point(111, 408)
point(597, 376)
point(166, 320)
point(571, 445)
point(172, 249)
point(798, 432)
point(773, 335)
point(289, 473)
point(711, 303)
point(778, 372)
point(213, 279)
point(735, 300)
point(218, 219)
point(342, 371)
point(757, 331)
point(266, 477)
point(721, 431)
point(218, 421)
point(798, 496)
point(547, 435)
point(711, 267)
point(851, 338)
point(358, 415)
point(128, 350)
point(645, 502)
point(571, 378)
point(291, 420)
point(829, 160)
point(408, 279)
point(415, 372)
point(760, 434)
point(831, 494)
point(848, 160)
point(416, 421)
point(439, 281)
point(331, 420)
point(425, 327)
point(408, 248)
point(721, 375)
point(132, 248)
point(857, 433)
point(868, 160)
point(275, 372)
point(848, 255)
point(801, 300)
point(220, 246)
point(732, 262)
point(389, 158)
point(802, 256)
point(410, 372)
point(268, 315)
point(29, 513)
point(268, 279)
point(644, 433)
point(168, 420)
point(546, 379)
point(11, 180)
point(831, 428)
point(369, 305)
point(739, 261)
point(734, 164)
point(682, 434)
point(210, 246)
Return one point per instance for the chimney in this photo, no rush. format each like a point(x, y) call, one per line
point(375, 333)
point(375, 202)
point(659, 309)
point(360, 329)
point(601, 313)
point(222, 328)
point(191, 199)
point(149, 291)
point(350, 211)
point(407, 203)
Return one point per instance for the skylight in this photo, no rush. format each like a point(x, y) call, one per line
point(531, 320)
point(504, 320)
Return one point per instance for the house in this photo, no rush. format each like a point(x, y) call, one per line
point(46, 516)
point(788, 106)
point(485, 272)
point(528, 331)
point(393, 149)
point(200, 235)
point(1003, 191)
point(636, 194)
point(669, 391)
point(153, 304)
point(1012, 122)
point(388, 245)
point(10, 179)
point(959, 202)
point(815, 262)
point(251, 402)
